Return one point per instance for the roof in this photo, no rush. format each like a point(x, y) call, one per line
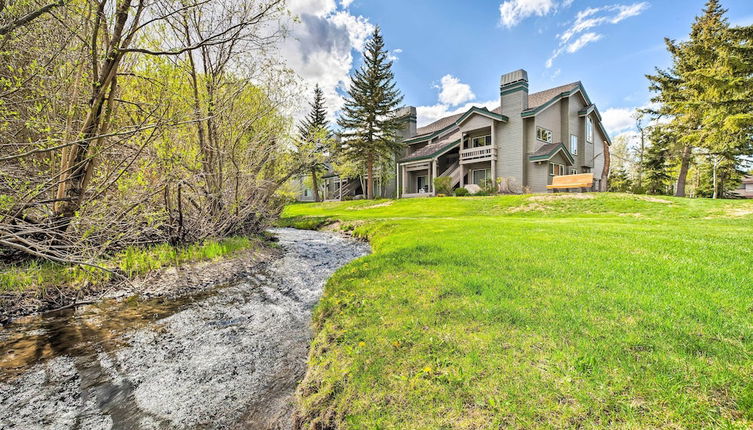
point(534, 100)
point(431, 151)
point(549, 150)
point(537, 99)
point(438, 125)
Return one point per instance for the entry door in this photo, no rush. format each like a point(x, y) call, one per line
point(421, 184)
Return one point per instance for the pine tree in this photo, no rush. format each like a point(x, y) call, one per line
point(314, 140)
point(369, 125)
point(656, 164)
point(678, 88)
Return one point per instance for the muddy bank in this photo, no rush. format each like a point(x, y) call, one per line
point(227, 357)
point(168, 282)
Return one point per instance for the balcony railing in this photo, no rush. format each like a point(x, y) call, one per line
point(481, 153)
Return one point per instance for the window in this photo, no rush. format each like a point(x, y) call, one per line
point(544, 135)
point(574, 144)
point(556, 169)
point(573, 171)
point(305, 192)
point(481, 175)
point(589, 129)
point(481, 141)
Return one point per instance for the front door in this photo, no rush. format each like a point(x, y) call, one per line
point(421, 184)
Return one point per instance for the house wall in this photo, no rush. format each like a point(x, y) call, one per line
point(577, 126)
point(550, 119)
point(598, 158)
point(476, 122)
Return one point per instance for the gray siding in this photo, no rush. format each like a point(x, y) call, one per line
point(511, 153)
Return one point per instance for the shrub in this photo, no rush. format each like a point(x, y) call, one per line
point(443, 185)
point(488, 187)
point(461, 192)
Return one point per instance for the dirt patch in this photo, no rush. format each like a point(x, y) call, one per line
point(378, 205)
point(533, 207)
point(552, 197)
point(167, 282)
point(654, 200)
point(738, 212)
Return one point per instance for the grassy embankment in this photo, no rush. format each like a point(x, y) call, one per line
point(536, 311)
point(131, 262)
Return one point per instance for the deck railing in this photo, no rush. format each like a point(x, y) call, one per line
point(482, 153)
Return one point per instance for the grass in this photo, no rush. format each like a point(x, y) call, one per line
point(133, 261)
point(536, 311)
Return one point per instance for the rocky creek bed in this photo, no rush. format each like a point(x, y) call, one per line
point(225, 357)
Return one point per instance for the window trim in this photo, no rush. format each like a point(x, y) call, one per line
point(486, 176)
point(575, 152)
point(589, 130)
point(476, 138)
point(551, 135)
point(560, 167)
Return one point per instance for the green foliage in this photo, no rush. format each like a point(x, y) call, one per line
point(369, 126)
point(708, 92)
point(443, 185)
point(462, 192)
point(619, 181)
point(656, 164)
point(132, 261)
point(543, 311)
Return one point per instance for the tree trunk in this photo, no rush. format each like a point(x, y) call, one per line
point(682, 176)
point(370, 179)
point(315, 185)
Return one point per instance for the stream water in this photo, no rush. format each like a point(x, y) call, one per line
point(228, 357)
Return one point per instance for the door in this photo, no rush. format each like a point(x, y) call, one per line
point(421, 184)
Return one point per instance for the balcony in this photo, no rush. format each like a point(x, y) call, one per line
point(481, 153)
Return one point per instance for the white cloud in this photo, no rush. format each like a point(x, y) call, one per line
point(582, 41)
point(393, 55)
point(453, 92)
point(321, 47)
point(590, 18)
point(428, 114)
point(345, 3)
point(512, 12)
point(618, 120)
point(454, 97)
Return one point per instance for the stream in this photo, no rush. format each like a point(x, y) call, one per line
point(227, 357)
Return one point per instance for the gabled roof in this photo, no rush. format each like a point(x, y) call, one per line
point(537, 102)
point(484, 112)
point(435, 149)
point(549, 150)
point(436, 127)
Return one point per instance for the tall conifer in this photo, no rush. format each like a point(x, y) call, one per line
point(368, 121)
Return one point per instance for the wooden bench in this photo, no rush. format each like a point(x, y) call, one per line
point(582, 180)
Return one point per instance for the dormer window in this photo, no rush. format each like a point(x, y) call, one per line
point(544, 135)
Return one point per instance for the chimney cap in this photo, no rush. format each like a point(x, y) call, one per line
point(519, 75)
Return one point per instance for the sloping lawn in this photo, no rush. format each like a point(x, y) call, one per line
point(536, 311)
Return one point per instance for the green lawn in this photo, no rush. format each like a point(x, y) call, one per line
point(536, 311)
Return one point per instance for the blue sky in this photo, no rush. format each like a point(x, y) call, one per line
point(450, 54)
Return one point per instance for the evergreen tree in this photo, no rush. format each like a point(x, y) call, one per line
point(656, 164)
point(314, 141)
point(708, 93)
point(369, 125)
point(619, 181)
